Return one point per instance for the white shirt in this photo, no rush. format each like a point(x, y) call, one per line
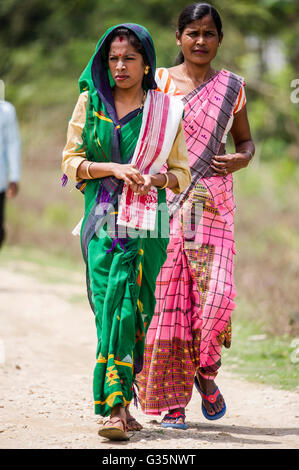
point(10, 146)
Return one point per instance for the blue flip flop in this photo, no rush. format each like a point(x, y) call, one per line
point(175, 417)
point(211, 399)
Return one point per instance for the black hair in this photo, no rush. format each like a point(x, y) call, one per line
point(132, 38)
point(194, 12)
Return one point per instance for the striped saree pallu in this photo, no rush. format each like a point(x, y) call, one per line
point(160, 124)
point(195, 287)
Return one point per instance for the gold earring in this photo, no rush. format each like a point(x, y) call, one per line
point(146, 70)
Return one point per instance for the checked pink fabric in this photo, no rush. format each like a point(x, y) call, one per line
point(195, 288)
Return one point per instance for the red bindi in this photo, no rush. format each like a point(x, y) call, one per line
point(121, 38)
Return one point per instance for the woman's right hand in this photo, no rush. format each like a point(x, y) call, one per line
point(128, 173)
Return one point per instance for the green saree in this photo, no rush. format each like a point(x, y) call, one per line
point(123, 294)
point(121, 271)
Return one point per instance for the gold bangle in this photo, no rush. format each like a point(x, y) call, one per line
point(166, 184)
point(87, 170)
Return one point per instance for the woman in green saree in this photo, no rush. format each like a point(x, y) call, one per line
point(120, 136)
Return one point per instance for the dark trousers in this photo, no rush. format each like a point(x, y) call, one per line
point(2, 203)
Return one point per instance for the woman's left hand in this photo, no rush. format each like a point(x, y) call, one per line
point(225, 164)
point(142, 189)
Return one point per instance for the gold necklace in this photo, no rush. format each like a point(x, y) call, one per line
point(143, 99)
point(142, 102)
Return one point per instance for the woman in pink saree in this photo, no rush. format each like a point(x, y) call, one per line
point(195, 288)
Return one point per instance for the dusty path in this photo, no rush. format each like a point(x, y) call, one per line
point(48, 336)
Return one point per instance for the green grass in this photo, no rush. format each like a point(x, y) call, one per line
point(260, 358)
point(43, 258)
point(48, 267)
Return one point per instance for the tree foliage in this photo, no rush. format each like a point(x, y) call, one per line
point(44, 46)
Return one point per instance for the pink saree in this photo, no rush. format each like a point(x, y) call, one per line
point(195, 288)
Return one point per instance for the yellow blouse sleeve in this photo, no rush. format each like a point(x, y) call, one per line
point(74, 152)
point(178, 162)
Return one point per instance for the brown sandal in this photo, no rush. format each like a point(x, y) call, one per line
point(111, 431)
point(132, 420)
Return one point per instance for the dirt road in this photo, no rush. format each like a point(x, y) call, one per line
point(47, 352)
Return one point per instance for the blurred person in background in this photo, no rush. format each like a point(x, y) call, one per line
point(10, 158)
point(195, 287)
point(121, 135)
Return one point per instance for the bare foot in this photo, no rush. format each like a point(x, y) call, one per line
point(208, 387)
point(132, 424)
point(119, 412)
point(176, 410)
point(114, 427)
